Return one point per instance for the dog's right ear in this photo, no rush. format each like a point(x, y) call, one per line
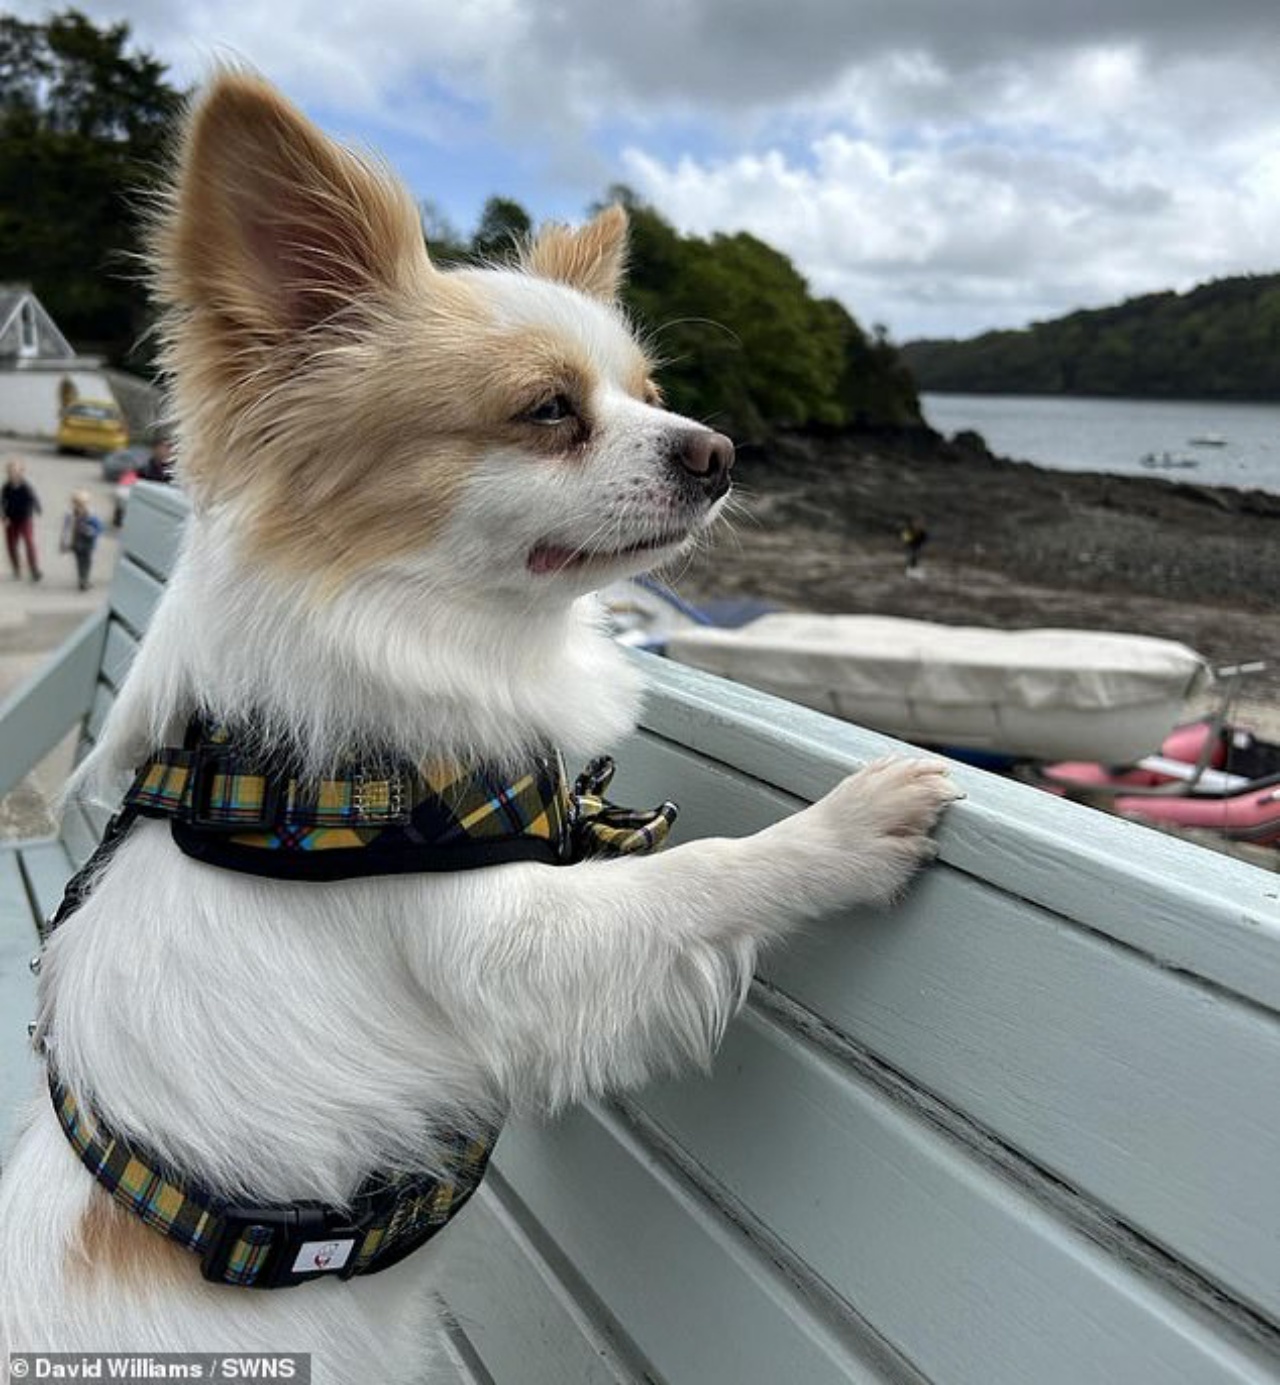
point(591, 258)
point(272, 226)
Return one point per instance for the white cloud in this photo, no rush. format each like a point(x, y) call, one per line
point(940, 166)
point(1045, 185)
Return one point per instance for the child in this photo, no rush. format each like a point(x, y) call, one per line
point(80, 530)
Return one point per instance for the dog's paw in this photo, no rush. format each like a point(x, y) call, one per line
point(872, 830)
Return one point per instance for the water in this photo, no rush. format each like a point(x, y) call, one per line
point(1113, 435)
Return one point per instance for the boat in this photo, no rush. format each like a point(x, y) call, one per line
point(643, 612)
point(1168, 461)
point(1040, 694)
point(1208, 440)
point(1208, 774)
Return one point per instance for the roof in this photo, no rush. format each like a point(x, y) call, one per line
point(10, 297)
point(50, 343)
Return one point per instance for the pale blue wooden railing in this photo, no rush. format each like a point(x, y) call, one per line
point(1023, 1130)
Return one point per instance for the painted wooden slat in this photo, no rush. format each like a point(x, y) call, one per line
point(97, 815)
point(18, 944)
point(699, 1299)
point(37, 715)
point(1128, 1081)
point(1186, 907)
point(77, 835)
point(134, 595)
point(455, 1362)
point(83, 746)
point(973, 1280)
point(714, 799)
point(103, 698)
point(47, 866)
point(521, 1311)
point(1154, 1095)
point(153, 527)
point(117, 657)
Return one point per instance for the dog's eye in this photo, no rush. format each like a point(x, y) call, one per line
point(553, 410)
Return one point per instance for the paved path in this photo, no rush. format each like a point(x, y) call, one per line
point(36, 617)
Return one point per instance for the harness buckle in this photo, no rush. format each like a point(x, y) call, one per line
point(277, 1247)
point(228, 811)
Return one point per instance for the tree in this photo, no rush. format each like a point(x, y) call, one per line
point(503, 225)
point(746, 346)
point(1220, 340)
point(84, 124)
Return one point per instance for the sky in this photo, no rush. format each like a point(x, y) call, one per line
point(940, 166)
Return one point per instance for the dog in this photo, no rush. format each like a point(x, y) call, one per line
point(405, 482)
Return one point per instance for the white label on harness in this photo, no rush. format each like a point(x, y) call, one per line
point(322, 1255)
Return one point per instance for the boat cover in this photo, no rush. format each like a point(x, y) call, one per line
point(1044, 694)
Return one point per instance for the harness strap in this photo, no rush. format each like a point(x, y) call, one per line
point(273, 1246)
point(234, 808)
point(78, 887)
point(601, 828)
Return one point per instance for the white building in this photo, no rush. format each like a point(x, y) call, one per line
point(35, 360)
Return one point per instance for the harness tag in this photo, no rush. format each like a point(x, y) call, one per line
point(322, 1255)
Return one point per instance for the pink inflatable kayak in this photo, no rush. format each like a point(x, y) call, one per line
point(1251, 816)
point(1221, 778)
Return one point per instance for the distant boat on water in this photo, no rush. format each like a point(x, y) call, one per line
point(1167, 461)
point(1208, 440)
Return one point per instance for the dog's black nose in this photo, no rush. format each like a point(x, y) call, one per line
point(707, 458)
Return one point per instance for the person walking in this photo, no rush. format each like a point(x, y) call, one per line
point(20, 505)
point(914, 536)
point(80, 530)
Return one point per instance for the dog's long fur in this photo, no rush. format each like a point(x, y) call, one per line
point(393, 534)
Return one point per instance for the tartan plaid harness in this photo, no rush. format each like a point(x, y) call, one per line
point(246, 812)
point(280, 1245)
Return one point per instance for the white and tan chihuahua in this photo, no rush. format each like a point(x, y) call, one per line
point(405, 482)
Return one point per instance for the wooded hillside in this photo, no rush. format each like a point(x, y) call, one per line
point(84, 122)
point(1220, 340)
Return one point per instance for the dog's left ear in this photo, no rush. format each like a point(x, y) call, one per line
point(591, 259)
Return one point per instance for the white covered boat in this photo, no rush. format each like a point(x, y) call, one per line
point(1041, 694)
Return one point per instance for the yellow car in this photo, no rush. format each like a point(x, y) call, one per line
point(92, 425)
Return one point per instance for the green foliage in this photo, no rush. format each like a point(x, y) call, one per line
point(504, 224)
point(1219, 341)
point(83, 126)
point(746, 346)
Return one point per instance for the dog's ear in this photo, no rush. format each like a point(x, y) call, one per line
point(272, 225)
point(591, 258)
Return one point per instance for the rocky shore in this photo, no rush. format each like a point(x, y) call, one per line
point(818, 521)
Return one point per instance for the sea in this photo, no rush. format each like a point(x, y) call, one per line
point(1211, 444)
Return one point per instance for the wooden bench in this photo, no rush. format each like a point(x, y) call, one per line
point(1024, 1129)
